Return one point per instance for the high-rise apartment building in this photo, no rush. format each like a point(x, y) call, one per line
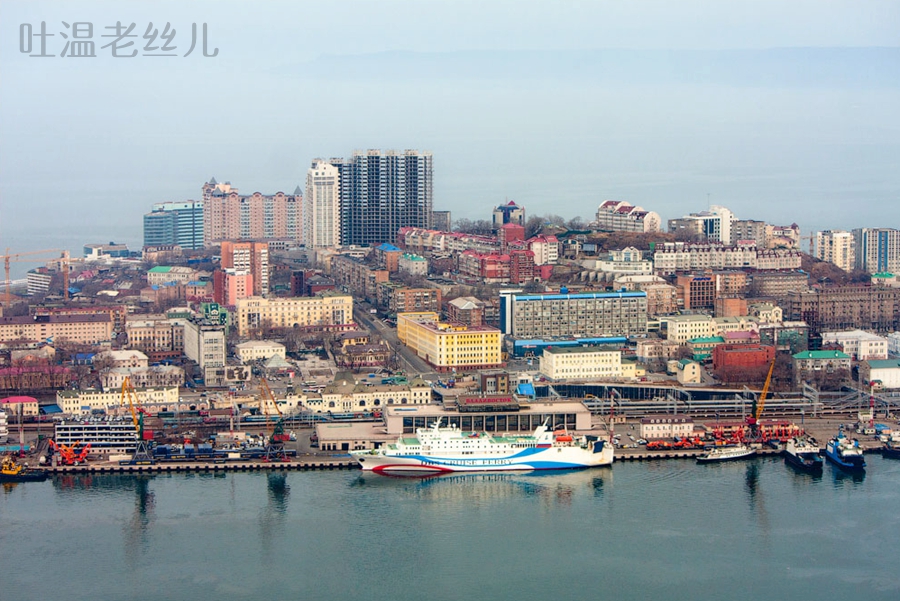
point(323, 206)
point(714, 224)
point(836, 246)
point(229, 216)
point(442, 221)
point(231, 285)
point(250, 257)
point(382, 191)
point(877, 249)
point(175, 223)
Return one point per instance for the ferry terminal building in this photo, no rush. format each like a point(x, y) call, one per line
point(470, 413)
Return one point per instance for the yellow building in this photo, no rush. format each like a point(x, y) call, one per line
point(349, 394)
point(77, 402)
point(449, 346)
point(587, 363)
point(329, 311)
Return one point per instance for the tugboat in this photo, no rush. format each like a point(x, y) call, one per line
point(717, 454)
point(802, 453)
point(10, 471)
point(845, 453)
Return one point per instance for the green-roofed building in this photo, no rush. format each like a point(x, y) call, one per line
point(703, 347)
point(829, 368)
point(884, 373)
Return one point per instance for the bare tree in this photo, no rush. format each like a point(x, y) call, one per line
point(576, 223)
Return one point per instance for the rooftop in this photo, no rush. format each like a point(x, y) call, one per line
point(259, 344)
point(430, 321)
point(556, 350)
point(821, 355)
point(884, 363)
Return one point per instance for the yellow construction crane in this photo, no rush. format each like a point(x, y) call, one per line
point(277, 437)
point(760, 403)
point(129, 399)
point(18, 258)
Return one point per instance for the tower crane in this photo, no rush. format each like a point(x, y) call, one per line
point(129, 399)
point(277, 437)
point(18, 258)
point(759, 403)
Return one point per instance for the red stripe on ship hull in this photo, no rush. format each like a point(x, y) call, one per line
point(405, 466)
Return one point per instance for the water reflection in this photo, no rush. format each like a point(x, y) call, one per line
point(272, 516)
point(279, 491)
point(92, 485)
point(553, 487)
point(138, 526)
point(855, 477)
point(755, 497)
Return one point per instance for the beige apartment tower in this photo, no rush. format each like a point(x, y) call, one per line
point(323, 208)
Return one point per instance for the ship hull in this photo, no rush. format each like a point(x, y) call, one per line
point(854, 464)
point(804, 462)
point(536, 459)
point(890, 452)
point(719, 455)
point(29, 476)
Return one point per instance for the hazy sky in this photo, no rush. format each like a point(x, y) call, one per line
point(783, 111)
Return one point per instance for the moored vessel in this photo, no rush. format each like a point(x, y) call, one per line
point(802, 453)
point(438, 450)
point(891, 448)
point(728, 453)
point(845, 453)
point(11, 471)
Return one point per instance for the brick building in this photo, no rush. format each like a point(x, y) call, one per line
point(777, 284)
point(742, 357)
point(466, 310)
point(397, 298)
point(871, 308)
point(358, 278)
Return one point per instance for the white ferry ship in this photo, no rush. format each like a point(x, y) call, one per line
point(726, 454)
point(437, 450)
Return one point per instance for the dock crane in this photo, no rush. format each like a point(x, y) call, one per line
point(18, 257)
point(129, 398)
point(758, 405)
point(275, 444)
point(67, 454)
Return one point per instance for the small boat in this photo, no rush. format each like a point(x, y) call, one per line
point(10, 471)
point(732, 453)
point(802, 453)
point(845, 453)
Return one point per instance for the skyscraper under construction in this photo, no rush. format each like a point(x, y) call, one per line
point(382, 191)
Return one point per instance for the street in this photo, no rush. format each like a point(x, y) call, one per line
point(410, 362)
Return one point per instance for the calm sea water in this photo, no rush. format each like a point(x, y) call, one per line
point(672, 529)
